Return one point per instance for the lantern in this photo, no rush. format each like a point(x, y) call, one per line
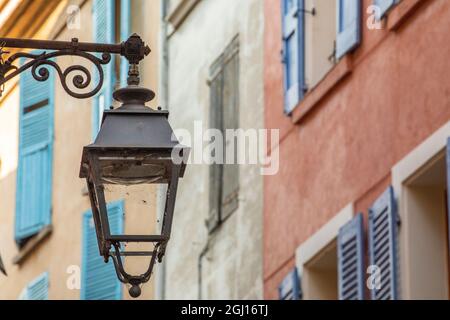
point(135, 148)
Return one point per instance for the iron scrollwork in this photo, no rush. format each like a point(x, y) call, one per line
point(39, 69)
point(134, 50)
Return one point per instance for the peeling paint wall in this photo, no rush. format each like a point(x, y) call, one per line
point(232, 265)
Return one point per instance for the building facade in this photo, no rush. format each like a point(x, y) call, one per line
point(48, 243)
point(358, 209)
point(214, 80)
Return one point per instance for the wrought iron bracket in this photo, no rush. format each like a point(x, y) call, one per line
point(133, 49)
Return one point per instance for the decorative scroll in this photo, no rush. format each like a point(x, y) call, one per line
point(39, 63)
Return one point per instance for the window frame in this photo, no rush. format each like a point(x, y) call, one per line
point(401, 172)
point(321, 240)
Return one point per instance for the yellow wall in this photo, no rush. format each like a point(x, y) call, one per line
point(72, 131)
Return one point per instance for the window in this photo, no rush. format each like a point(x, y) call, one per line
point(421, 183)
point(36, 289)
point(331, 261)
point(315, 34)
point(34, 173)
point(336, 271)
point(224, 114)
point(320, 40)
point(111, 24)
point(426, 223)
point(321, 275)
point(98, 279)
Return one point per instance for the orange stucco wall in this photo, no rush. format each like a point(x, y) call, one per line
point(342, 151)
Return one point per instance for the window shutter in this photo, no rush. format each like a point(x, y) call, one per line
point(230, 120)
point(125, 32)
point(349, 26)
point(351, 260)
point(383, 6)
point(293, 52)
point(215, 170)
point(37, 289)
point(103, 12)
point(34, 173)
point(289, 288)
point(99, 280)
point(383, 224)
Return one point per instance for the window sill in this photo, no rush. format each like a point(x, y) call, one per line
point(32, 244)
point(180, 13)
point(401, 12)
point(315, 95)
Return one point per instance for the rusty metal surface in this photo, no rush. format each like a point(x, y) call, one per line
point(134, 50)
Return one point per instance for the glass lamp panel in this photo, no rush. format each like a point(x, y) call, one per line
point(139, 206)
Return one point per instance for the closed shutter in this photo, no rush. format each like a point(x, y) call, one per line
point(224, 114)
point(348, 26)
point(383, 225)
point(290, 289)
point(293, 17)
point(34, 173)
point(37, 289)
point(383, 7)
point(103, 12)
point(230, 120)
point(99, 280)
point(125, 30)
point(351, 260)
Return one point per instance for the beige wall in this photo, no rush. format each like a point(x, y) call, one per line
point(72, 131)
point(232, 267)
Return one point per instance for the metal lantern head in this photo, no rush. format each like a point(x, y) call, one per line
point(135, 147)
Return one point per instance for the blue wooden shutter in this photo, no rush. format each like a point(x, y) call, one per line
point(289, 288)
point(38, 288)
point(103, 12)
point(348, 26)
point(98, 279)
point(293, 52)
point(125, 30)
point(383, 225)
point(34, 172)
point(351, 260)
point(383, 7)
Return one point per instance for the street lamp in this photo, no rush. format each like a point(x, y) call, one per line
point(134, 147)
